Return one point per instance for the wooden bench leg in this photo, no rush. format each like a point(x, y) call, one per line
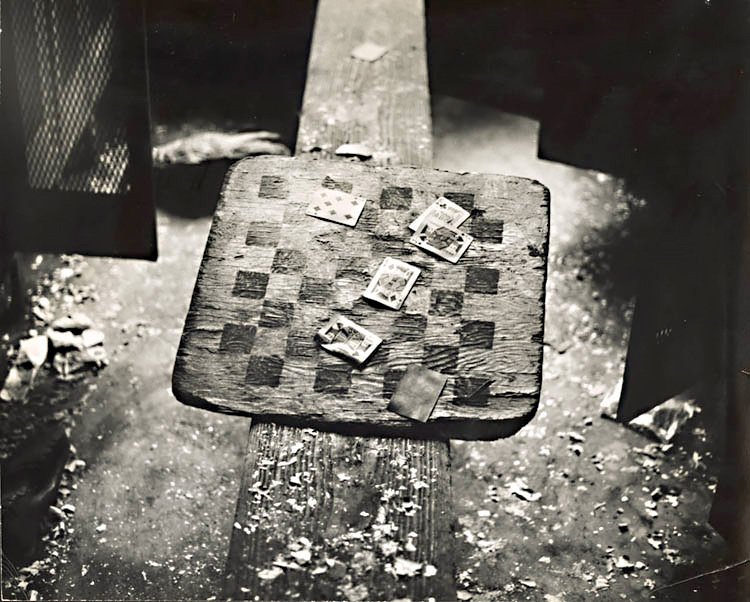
point(367, 506)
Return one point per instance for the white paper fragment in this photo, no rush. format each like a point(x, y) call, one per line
point(354, 150)
point(369, 52)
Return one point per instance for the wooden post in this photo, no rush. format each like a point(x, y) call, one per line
point(384, 104)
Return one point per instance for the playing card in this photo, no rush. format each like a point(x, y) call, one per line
point(445, 210)
point(336, 206)
point(347, 338)
point(392, 282)
point(438, 237)
point(417, 393)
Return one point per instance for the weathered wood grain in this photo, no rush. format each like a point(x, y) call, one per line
point(347, 482)
point(363, 503)
point(253, 312)
point(384, 104)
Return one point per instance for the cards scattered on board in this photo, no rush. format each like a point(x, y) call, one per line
point(441, 239)
point(417, 393)
point(444, 210)
point(347, 338)
point(336, 206)
point(392, 282)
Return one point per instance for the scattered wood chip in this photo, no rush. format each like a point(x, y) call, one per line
point(403, 567)
point(270, 574)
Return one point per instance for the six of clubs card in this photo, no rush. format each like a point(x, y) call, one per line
point(392, 282)
point(336, 206)
point(441, 239)
point(444, 210)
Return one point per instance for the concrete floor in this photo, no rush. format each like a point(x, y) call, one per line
point(162, 478)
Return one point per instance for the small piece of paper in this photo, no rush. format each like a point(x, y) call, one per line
point(392, 282)
point(417, 393)
point(348, 338)
point(369, 52)
point(441, 239)
point(444, 210)
point(336, 206)
point(354, 150)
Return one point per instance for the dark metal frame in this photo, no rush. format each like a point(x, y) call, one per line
point(32, 219)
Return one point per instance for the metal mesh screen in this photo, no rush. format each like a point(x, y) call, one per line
point(71, 113)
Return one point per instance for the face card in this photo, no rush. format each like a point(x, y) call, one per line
point(392, 282)
point(336, 206)
point(441, 239)
point(445, 210)
point(349, 339)
point(417, 393)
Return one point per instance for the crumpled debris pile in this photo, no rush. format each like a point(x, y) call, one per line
point(662, 422)
point(71, 345)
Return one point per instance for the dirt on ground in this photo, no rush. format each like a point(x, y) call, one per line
point(573, 507)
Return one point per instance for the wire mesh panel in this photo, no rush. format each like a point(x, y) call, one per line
point(76, 109)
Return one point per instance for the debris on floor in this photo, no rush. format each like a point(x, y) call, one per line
point(662, 422)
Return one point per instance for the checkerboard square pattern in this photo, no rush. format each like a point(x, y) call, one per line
point(293, 273)
point(264, 370)
point(481, 280)
point(396, 197)
point(263, 234)
point(250, 285)
point(466, 386)
point(288, 261)
point(462, 199)
point(477, 333)
point(332, 378)
point(487, 230)
point(237, 338)
point(446, 302)
point(276, 314)
point(273, 187)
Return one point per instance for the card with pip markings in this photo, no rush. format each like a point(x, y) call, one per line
point(336, 206)
point(417, 393)
point(445, 210)
point(347, 338)
point(392, 282)
point(441, 239)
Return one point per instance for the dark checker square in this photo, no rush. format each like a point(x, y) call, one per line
point(264, 370)
point(263, 234)
point(487, 230)
point(250, 285)
point(395, 197)
point(301, 344)
point(409, 327)
point(481, 280)
point(355, 268)
point(272, 187)
point(443, 358)
point(462, 199)
point(333, 379)
point(331, 184)
point(276, 314)
point(315, 290)
point(464, 387)
point(368, 219)
point(446, 303)
point(390, 381)
point(477, 333)
point(288, 261)
point(236, 338)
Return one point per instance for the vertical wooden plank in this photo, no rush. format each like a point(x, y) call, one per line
point(366, 505)
point(383, 104)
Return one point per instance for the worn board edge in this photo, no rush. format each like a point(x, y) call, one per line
point(441, 428)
